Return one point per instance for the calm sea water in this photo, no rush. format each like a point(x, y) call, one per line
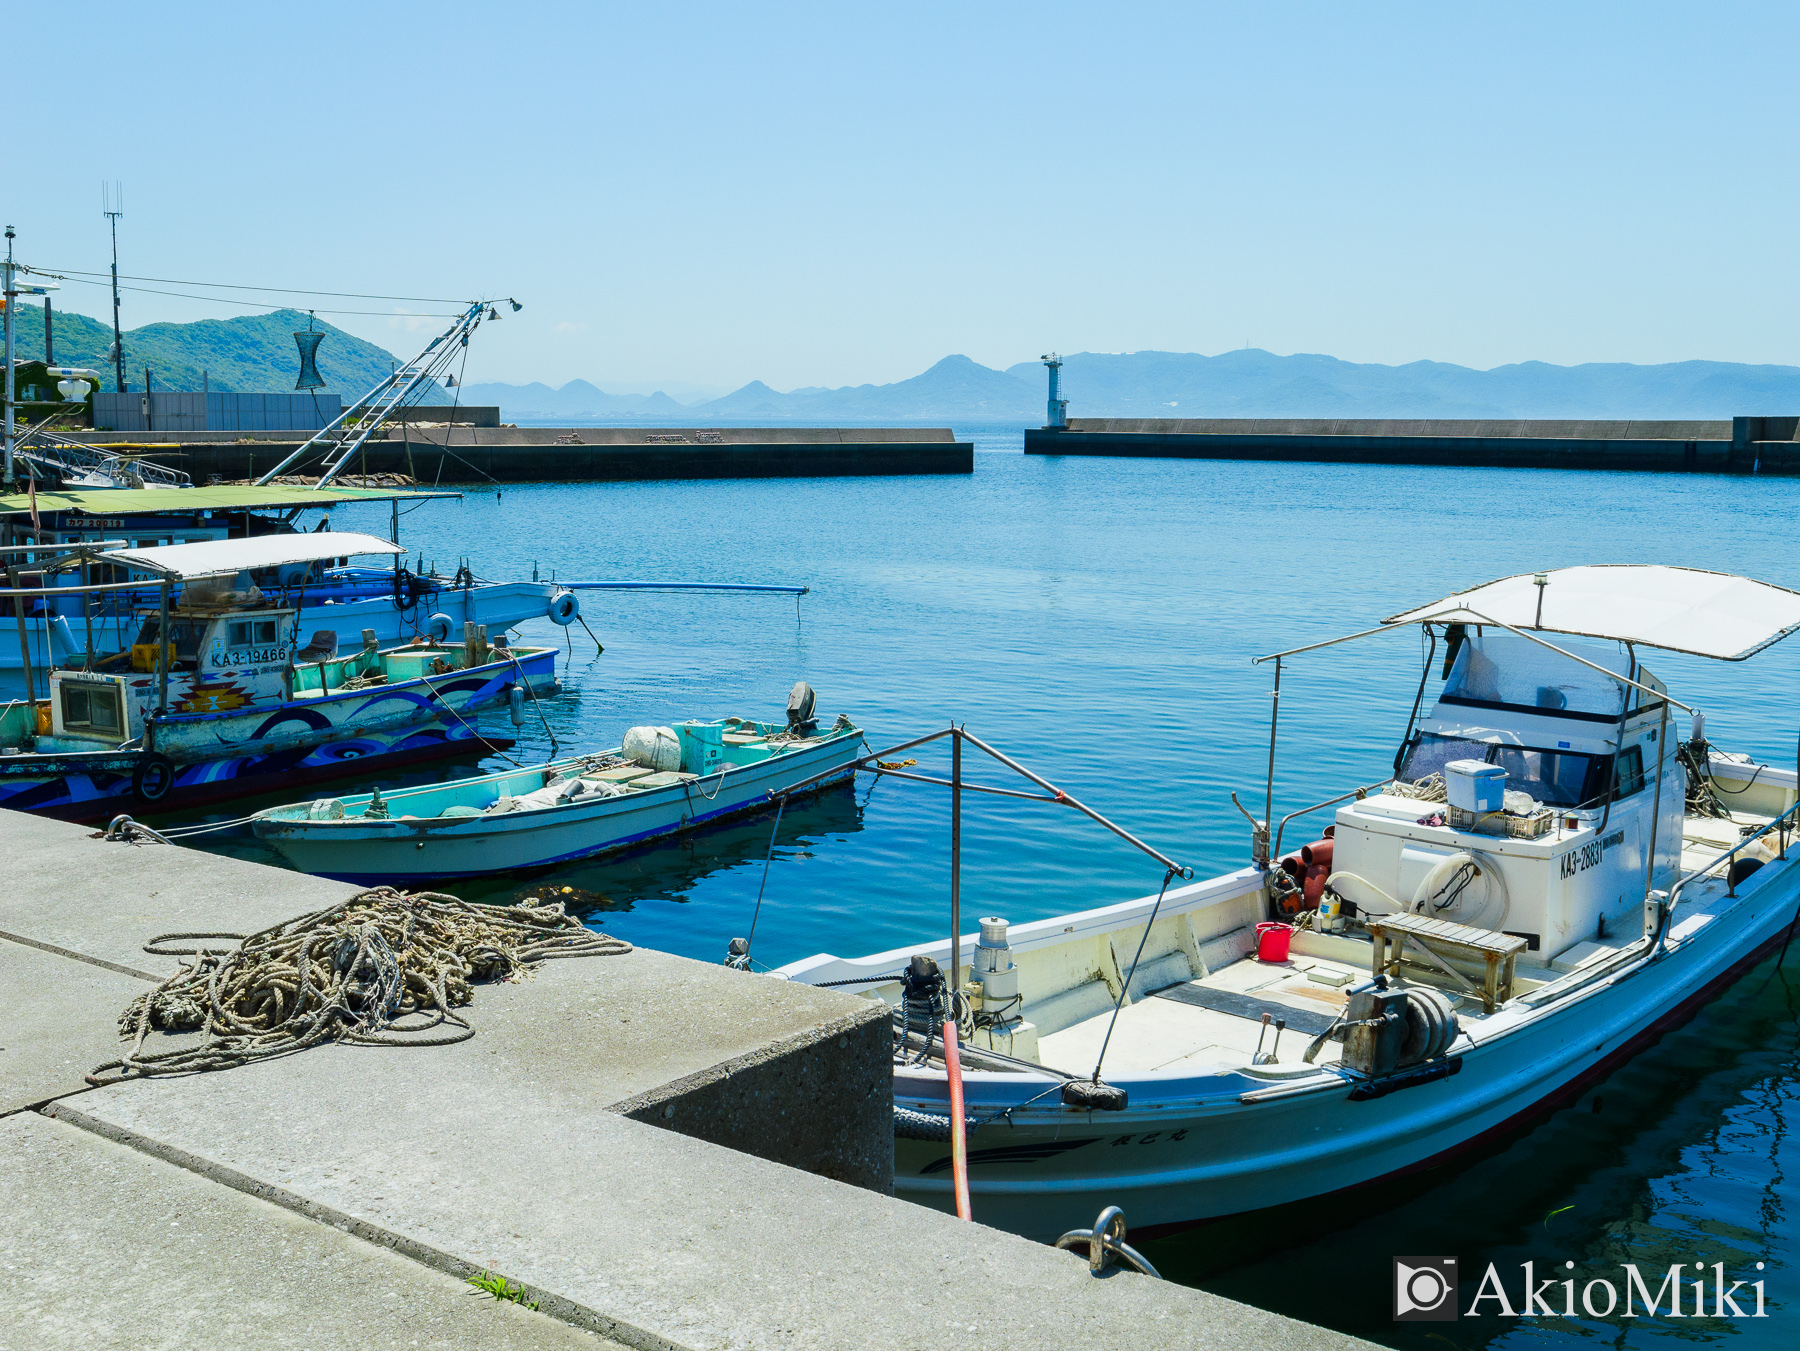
point(1096, 618)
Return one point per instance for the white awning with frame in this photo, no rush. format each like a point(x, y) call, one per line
point(1706, 614)
point(228, 557)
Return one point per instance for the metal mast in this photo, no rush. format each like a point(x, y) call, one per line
point(112, 212)
point(12, 299)
point(338, 440)
point(1057, 412)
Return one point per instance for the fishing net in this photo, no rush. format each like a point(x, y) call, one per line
point(308, 343)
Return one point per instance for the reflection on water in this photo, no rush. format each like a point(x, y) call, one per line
point(1097, 619)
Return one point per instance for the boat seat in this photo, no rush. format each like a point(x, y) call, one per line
point(322, 647)
point(1497, 952)
point(626, 774)
point(662, 780)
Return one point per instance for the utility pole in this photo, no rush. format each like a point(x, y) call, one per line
point(112, 211)
point(12, 299)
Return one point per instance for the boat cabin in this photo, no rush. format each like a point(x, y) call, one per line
point(1562, 857)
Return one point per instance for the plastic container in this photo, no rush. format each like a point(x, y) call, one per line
point(1475, 785)
point(1272, 939)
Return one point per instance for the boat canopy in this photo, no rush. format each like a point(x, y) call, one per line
point(228, 557)
point(1706, 614)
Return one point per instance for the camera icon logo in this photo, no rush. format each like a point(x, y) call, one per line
point(1424, 1289)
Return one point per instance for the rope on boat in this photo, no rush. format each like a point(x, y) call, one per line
point(1431, 788)
point(350, 972)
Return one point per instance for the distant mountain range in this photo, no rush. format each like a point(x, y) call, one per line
point(258, 354)
point(253, 354)
point(1247, 383)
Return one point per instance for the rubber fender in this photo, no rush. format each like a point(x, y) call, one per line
point(1743, 867)
point(1087, 1094)
point(62, 639)
point(439, 628)
point(1293, 867)
point(564, 608)
point(1317, 859)
point(515, 703)
point(153, 777)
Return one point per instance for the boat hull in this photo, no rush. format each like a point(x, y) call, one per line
point(1192, 1149)
point(95, 788)
point(434, 847)
point(197, 758)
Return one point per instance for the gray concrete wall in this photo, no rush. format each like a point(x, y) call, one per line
point(601, 454)
point(1605, 447)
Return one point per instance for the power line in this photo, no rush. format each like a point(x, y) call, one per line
point(276, 290)
point(246, 304)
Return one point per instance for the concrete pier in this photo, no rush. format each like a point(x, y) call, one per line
point(1744, 445)
point(660, 1153)
point(585, 454)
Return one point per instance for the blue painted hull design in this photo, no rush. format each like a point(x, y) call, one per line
point(94, 787)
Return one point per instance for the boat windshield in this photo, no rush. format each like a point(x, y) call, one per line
point(184, 633)
point(1556, 778)
point(1504, 670)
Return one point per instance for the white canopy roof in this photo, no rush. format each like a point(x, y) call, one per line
point(227, 557)
point(1708, 614)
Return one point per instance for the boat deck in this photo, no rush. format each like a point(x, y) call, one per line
point(1188, 1024)
point(1217, 1019)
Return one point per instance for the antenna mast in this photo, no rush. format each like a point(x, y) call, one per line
point(112, 211)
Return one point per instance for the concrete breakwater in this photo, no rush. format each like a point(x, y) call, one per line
point(584, 454)
point(654, 1152)
point(1744, 445)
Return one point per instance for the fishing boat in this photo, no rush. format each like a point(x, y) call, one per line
point(397, 602)
point(1547, 879)
point(658, 782)
point(217, 696)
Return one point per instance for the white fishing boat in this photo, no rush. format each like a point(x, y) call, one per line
point(658, 782)
point(1547, 883)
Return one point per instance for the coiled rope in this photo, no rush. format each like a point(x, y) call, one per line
point(351, 972)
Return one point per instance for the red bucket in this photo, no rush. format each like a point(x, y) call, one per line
point(1272, 940)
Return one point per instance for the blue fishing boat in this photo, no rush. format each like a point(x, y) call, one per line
point(215, 696)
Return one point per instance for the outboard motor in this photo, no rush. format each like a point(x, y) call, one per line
point(800, 709)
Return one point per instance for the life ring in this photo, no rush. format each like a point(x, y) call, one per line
point(564, 609)
point(439, 628)
point(154, 776)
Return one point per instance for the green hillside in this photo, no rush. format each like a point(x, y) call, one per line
point(255, 354)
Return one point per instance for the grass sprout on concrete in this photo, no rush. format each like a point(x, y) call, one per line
point(500, 1288)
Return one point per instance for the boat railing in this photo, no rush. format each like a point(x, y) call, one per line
point(1358, 793)
point(1782, 823)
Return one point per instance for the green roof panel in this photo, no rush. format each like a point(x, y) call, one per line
point(182, 501)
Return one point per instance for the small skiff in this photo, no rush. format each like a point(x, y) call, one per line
point(568, 809)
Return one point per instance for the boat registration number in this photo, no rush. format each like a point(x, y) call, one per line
point(1578, 861)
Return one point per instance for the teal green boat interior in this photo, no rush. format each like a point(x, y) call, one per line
point(707, 749)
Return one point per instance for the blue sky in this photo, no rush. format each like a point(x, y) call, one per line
point(834, 194)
